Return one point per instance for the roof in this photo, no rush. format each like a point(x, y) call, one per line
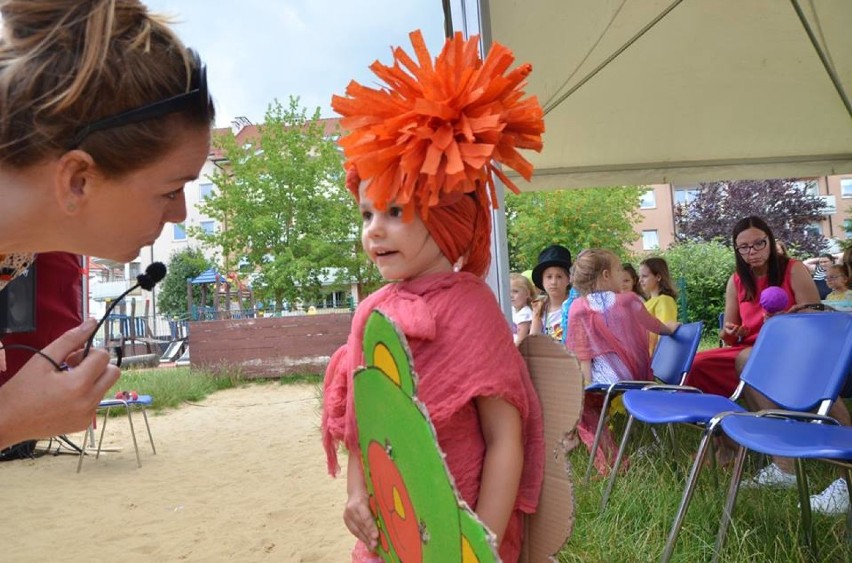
point(251, 133)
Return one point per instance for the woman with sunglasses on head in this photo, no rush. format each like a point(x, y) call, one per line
point(104, 116)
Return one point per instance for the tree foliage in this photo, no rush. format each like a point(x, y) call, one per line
point(787, 207)
point(700, 270)
point(282, 206)
point(183, 264)
point(576, 219)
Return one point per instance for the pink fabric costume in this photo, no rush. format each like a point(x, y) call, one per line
point(618, 334)
point(462, 349)
point(713, 370)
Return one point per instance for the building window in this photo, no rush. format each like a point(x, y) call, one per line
point(179, 232)
point(648, 200)
point(846, 187)
point(209, 227)
point(685, 196)
point(650, 240)
point(204, 191)
point(134, 269)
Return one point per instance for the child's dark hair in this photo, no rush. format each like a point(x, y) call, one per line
point(659, 267)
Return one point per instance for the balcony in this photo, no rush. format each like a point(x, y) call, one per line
point(103, 291)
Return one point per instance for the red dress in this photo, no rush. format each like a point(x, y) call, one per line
point(462, 348)
point(713, 370)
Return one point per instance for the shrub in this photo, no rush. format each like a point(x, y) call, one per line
point(701, 271)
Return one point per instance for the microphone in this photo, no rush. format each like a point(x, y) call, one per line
point(154, 273)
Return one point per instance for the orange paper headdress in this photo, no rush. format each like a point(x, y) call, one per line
point(436, 130)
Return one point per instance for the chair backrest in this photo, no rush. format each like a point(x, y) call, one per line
point(801, 359)
point(674, 353)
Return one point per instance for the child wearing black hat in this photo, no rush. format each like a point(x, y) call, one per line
point(553, 275)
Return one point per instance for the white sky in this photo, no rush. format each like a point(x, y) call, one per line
point(260, 50)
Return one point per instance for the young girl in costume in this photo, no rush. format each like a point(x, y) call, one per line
point(423, 183)
point(522, 291)
point(660, 293)
point(608, 331)
point(552, 275)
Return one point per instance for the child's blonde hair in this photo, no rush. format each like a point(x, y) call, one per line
point(524, 282)
point(589, 266)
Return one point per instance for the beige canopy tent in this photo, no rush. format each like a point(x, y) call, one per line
point(680, 91)
point(676, 91)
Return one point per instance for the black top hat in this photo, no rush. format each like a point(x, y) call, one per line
point(554, 255)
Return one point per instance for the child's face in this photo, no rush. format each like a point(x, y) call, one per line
point(626, 282)
point(520, 296)
point(836, 280)
point(400, 250)
point(611, 281)
point(555, 282)
point(648, 281)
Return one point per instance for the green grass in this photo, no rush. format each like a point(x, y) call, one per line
point(766, 525)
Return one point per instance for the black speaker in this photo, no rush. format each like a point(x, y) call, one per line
point(17, 304)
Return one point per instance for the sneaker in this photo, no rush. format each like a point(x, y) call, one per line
point(770, 476)
point(833, 500)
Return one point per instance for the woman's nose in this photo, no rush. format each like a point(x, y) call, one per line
point(176, 211)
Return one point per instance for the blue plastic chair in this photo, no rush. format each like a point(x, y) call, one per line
point(798, 362)
point(782, 433)
point(129, 405)
point(671, 362)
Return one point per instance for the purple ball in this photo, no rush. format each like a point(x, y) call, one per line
point(774, 299)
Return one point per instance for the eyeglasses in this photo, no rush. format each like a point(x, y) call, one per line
point(197, 94)
point(834, 277)
point(757, 246)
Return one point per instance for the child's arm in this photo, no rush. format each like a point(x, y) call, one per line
point(357, 515)
point(586, 370)
point(504, 461)
point(536, 327)
point(523, 331)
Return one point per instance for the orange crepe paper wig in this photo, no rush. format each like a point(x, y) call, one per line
point(436, 130)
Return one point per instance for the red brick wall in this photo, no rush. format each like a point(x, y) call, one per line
point(268, 347)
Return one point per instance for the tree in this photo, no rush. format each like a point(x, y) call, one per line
point(787, 207)
point(282, 207)
point(701, 271)
point(576, 219)
point(183, 264)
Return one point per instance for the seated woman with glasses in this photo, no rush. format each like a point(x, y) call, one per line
point(104, 116)
point(758, 265)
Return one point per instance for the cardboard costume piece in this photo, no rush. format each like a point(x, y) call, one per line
point(418, 511)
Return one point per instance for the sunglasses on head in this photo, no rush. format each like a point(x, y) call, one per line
point(198, 94)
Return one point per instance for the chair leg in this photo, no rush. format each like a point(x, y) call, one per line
point(601, 422)
point(848, 475)
point(133, 435)
point(728, 511)
point(614, 473)
point(89, 432)
point(148, 427)
point(101, 438)
point(687, 496)
point(805, 504)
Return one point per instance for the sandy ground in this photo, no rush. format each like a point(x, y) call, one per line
point(238, 477)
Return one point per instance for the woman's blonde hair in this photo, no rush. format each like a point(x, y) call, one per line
point(68, 63)
point(588, 267)
point(524, 282)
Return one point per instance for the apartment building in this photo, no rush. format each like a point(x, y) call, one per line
point(657, 227)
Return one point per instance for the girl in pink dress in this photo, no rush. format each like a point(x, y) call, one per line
point(426, 226)
point(608, 331)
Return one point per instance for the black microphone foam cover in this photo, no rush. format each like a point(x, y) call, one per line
point(154, 273)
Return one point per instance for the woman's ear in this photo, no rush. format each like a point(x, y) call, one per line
point(73, 177)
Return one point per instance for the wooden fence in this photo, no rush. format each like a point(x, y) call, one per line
point(268, 347)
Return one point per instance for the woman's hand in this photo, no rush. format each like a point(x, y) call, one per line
point(40, 402)
point(733, 334)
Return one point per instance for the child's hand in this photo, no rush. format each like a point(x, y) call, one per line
point(359, 520)
point(537, 307)
point(672, 326)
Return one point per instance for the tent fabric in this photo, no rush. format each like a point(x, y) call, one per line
point(694, 91)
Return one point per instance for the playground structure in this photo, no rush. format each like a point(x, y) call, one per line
point(232, 298)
